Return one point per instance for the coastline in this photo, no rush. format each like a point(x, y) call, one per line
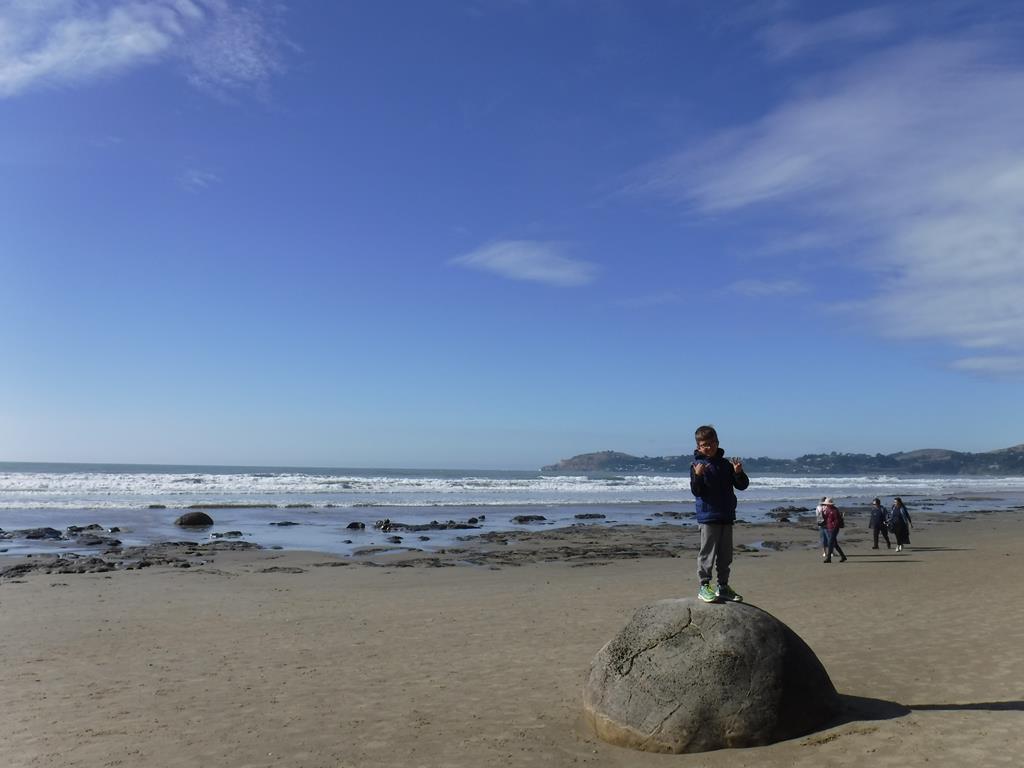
point(265, 657)
point(317, 509)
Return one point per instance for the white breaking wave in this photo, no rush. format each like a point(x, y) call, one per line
point(65, 490)
point(190, 484)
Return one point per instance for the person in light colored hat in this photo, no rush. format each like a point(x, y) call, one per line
point(833, 522)
point(819, 518)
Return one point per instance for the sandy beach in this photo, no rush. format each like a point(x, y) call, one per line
point(477, 657)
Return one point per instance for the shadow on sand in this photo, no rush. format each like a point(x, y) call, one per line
point(860, 708)
point(983, 706)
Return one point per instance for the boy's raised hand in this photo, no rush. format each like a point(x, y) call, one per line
point(737, 464)
point(698, 468)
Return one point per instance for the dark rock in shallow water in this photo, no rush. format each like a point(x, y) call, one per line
point(395, 539)
point(676, 515)
point(589, 516)
point(523, 519)
point(41, 533)
point(92, 540)
point(687, 676)
point(356, 526)
point(194, 520)
point(80, 528)
point(450, 525)
point(285, 523)
point(782, 514)
point(227, 535)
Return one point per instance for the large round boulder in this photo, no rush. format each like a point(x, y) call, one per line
point(688, 676)
point(194, 520)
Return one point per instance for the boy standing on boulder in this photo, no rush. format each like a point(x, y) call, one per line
point(712, 480)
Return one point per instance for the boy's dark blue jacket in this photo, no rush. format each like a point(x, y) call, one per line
point(716, 500)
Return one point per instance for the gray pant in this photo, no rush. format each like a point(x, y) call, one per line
point(715, 551)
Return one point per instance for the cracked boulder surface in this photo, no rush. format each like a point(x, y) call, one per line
point(688, 676)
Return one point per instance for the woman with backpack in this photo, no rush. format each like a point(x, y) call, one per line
point(819, 518)
point(833, 522)
point(899, 523)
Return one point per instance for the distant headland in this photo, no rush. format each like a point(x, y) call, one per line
point(927, 461)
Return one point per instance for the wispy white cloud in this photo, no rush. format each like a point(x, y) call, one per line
point(991, 365)
point(789, 38)
point(221, 44)
point(755, 287)
point(531, 260)
point(797, 242)
point(239, 47)
point(196, 179)
point(916, 155)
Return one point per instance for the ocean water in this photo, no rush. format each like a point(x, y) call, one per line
point(144, 500)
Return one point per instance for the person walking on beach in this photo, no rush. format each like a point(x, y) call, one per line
point(899, 523)
point(819, 518)
point(833, 522)
point(877, 524)
point(712, 480)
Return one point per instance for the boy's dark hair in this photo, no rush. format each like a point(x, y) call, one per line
point(705, 432)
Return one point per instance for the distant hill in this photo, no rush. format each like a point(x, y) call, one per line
point(926, 461)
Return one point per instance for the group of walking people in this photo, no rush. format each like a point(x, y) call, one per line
point(895, 520)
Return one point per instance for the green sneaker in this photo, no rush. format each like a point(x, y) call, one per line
point(707, 594)
point(725, 592)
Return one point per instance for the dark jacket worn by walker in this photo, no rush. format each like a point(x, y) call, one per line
point(716, 499)
point(899, 523)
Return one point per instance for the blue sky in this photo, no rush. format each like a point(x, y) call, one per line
point(494, 234)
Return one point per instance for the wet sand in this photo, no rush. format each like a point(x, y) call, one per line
point(478, 656)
